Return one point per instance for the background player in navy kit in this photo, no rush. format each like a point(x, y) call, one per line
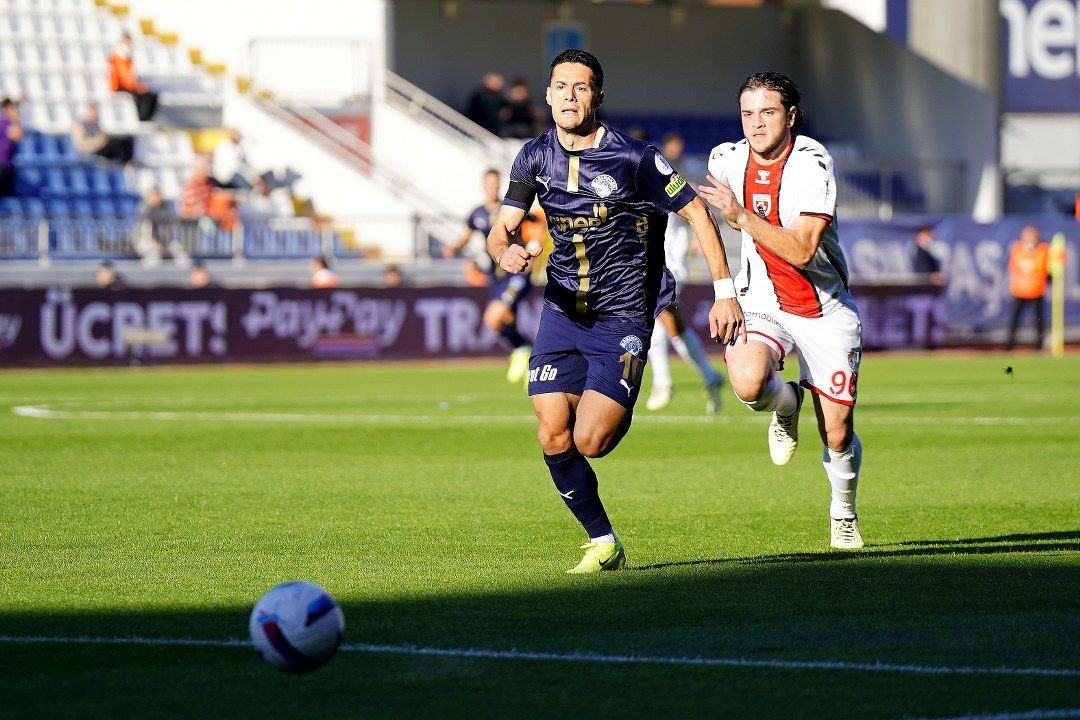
point(606, 197)
point(507, 291)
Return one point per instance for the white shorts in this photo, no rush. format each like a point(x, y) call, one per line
point(829, 348)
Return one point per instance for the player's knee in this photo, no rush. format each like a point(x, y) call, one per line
point(838, 437)
point(748, 387)
point(592, 444)
point(553, 440)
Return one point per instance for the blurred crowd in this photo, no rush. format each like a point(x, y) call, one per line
point(508, 114)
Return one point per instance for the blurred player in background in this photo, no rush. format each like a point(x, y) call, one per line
point(507, 291)
point(1029, 269)
point(607, 198)
point(671, 323)
point(793, 285)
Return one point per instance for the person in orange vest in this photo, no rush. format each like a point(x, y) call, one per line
point(1029, 268)
point(122, 78)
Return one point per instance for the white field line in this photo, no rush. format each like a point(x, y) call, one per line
point(45, 412)
point(1062, 714)
point(578, 657)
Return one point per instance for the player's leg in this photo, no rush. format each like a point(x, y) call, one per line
point(1014, 322)
point(557, 378)
point(501, 316)
point(660, 393)
point(754, 373)
point(830, 352)
point(686, 342)
point(842, 459)
point(1040, 323)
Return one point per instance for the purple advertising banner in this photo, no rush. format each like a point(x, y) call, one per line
point(170, 325)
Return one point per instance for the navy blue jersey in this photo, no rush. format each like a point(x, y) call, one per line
point(607, 211)
point(482, 219)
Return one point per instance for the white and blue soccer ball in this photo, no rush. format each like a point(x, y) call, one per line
point(296, 626)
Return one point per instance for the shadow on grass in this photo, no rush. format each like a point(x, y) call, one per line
point(971, 609)
point(1066, 541)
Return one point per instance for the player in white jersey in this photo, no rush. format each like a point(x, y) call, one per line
point(670, 323)
point(778, 188)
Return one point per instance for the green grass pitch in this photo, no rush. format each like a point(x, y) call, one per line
point(416, 494)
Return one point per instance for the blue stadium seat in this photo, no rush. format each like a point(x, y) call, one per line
point(28, 181)
point(99, 183)
point(78, 181)
point(57, 207)
point(56, 184)
point(104, 207)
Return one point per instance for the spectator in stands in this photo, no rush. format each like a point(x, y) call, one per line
point(672, 146)
point(321, 274)
point(521, 120)
point(230, 166)
point(89, 139)
point(157, 222)
point(1029, 269)
point(196, 193)
point(263, 203)
point(487, 102)
point(11, 134)
point(122, 78)
point(199, 277)
point(393, 277)
point(106, 278)
point(925, 262)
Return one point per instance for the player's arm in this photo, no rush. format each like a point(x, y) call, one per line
point(797, 245)
point(452, 249)
point(726, 322)
point(510, 256)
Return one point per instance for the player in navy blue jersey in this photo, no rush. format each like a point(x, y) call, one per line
point(606, 197)
point(507, 290)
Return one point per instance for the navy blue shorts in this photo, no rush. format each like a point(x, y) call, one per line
point(512, 289)
point(607, 356)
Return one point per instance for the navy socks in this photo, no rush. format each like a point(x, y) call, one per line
point(513, 338)
point(576, 482)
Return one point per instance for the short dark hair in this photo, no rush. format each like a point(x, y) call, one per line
point(6, 103)
point(585, 58)
point(782, 84)
point(492, 171)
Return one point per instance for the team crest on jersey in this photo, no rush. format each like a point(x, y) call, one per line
point(632, 344)
point(854, 357)
point(762, 204)
point(604, 185)
point(662, 165)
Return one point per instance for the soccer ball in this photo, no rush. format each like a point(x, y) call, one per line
point(296, 626)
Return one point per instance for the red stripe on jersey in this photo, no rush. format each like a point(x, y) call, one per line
point(761, 194)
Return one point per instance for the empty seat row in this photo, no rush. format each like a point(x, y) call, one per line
point(51, 26)
point(125, 206)
point(39, 86)
point(163, 149)
point(65, 56)
point(52, 7)
point(118, 115)
point(71, 181)
point(169, 180)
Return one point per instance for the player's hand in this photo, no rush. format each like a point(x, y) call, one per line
point(517, 260)
point(721, 197)
point(726, 322)
point(449, 251)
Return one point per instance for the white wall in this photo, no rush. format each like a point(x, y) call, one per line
point(224, 28)
point(860, 85)
point(1044, 147)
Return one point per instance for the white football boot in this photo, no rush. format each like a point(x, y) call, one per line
point(845, 534)
point(784, 432)
point(659, 397)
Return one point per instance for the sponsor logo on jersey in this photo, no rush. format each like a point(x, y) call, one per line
point(566, 224)
point(544, 181)
point(677, 183)
point(762, 204)
point(662, 165)
point(632, 344)
point(604, 185)
point(763, 177)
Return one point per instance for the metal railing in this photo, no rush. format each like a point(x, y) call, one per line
point(397, 237)
point(439, 115)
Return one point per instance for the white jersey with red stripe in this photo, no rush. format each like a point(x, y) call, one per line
point(799, 183)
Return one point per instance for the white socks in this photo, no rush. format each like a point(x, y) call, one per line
point(690, 349)
point(843, 471)
point(777, 396)
point(609, 538)
point(658, 357)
